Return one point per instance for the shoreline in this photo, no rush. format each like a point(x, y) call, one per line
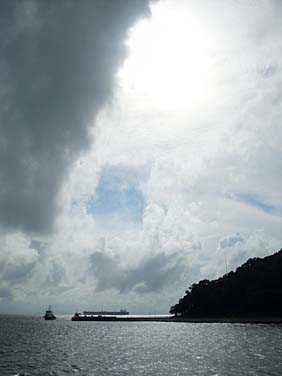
point(231, 319)
point(215, 319)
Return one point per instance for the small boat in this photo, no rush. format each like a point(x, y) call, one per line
point(49, 315)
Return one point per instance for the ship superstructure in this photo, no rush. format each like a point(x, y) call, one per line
point(123, 311)
point(49, 315)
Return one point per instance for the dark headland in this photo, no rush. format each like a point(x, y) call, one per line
point(251, 294)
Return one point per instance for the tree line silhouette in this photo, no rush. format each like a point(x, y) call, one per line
point(255, 288)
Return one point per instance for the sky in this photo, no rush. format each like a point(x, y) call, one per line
point(139, 148)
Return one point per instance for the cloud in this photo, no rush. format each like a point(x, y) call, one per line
point(255, 201)
point(56, 273)
point(6, 293)
point(57, 66)
point(151, 274)
point(17, 263)
point(174, 195)
point(231, 240)
point(237, 248)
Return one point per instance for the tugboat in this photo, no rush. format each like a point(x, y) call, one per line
point(49, 315)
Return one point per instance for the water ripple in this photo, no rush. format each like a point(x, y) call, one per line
point(31, 346)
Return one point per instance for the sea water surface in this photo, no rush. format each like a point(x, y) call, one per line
point(32, 346)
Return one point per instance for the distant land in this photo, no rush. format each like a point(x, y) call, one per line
point(251, 294)
point(253, 290)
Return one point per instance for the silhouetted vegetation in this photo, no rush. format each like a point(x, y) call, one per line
point(255, 288)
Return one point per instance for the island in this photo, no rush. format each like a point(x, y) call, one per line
point(252, 293)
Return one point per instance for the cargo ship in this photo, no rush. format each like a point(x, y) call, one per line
point(99, 315)
point(106, 313)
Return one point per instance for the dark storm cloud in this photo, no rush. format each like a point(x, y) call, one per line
point(151, 274)
point(57, 65)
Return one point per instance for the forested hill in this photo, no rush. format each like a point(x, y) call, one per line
point(255, 288)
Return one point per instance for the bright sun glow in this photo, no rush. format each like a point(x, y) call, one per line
point(169, 62)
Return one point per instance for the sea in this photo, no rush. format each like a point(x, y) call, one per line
point(30, 345)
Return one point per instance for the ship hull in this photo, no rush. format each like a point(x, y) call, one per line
point(106, 313)
point(113, 318)
point(49, 315)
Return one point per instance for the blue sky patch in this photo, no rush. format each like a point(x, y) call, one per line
point(254, 200)
point(117, 195)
